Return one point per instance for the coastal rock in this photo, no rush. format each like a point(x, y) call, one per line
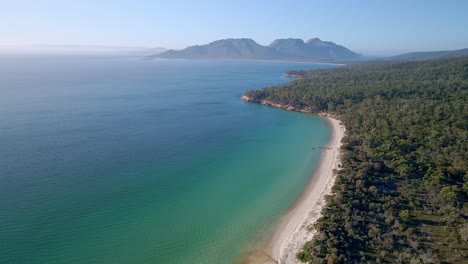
point(295, 76)
point(277, 105)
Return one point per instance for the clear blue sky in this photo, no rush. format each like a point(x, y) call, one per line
point(371, 26)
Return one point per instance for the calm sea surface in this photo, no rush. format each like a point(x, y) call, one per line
point(119, 160)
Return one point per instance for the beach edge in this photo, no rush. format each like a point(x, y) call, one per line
point(292, 232)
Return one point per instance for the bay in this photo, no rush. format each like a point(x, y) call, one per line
point(123, 160)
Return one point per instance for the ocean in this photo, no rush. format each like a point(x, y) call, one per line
point(124, 160)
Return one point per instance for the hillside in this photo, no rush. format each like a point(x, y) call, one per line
point(313, 49)
point(285, 49)
point(415, 56)
point(227, 49)
point(401, 195)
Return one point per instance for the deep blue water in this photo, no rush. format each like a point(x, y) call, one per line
point(122, 160)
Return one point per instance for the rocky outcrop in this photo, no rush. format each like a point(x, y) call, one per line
point(294, 76)
point(277, 105)
point(308, 110)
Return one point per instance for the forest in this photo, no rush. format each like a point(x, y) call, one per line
point(401, 193)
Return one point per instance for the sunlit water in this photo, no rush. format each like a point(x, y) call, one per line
point(119, 160)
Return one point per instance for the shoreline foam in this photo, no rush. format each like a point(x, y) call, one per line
point(291, 232)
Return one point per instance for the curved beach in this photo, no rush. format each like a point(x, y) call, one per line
point(291, 232)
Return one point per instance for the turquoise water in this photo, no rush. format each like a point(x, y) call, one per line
point(119, 160)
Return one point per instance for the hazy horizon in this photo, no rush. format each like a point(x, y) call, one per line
point(368, 27)
point(71, 49)
point(77, 49)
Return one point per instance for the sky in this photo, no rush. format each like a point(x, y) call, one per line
point(372, 27)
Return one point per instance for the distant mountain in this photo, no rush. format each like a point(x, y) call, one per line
point(315, 49)
point(332, 50)
point(415, 56)
point(288, 49)
point(291, 46)
point(227, 49)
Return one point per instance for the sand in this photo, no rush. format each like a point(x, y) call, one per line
point(291, 232)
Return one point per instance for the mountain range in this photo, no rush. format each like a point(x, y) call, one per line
point(244, 48)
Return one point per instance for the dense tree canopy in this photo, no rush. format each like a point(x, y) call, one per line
point(401, 195)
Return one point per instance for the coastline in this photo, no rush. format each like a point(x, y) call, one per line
point(291, 232)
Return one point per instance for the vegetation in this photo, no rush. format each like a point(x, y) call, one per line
point(429, 55)
point(401, 193)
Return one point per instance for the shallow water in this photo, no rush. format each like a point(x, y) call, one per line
point(120, 160)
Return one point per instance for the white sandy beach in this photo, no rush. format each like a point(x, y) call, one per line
point(291, 232)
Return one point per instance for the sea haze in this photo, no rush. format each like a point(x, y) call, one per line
point(118, 160)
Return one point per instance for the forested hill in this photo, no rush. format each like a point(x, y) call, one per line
point(401, 193)
point(416, 56)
